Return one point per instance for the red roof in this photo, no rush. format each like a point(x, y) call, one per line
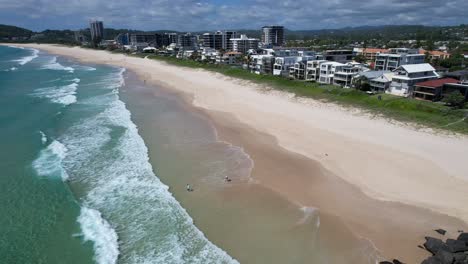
point(372, 50)
point(437, 83)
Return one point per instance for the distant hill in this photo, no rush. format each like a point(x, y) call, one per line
point(7, 31)
point(348, 34)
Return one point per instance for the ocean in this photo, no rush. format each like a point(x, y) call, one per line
point(76, 183)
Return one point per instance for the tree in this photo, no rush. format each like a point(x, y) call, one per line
point(454, 99)
point(360, 58)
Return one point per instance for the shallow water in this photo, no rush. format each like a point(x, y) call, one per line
point(252, 223)
point(77, 186)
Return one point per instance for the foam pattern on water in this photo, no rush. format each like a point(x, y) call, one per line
point(26, 59)
point(54, 65)
point(99, 231)
point(49, 161)
point(64, 95)
point(109, 160)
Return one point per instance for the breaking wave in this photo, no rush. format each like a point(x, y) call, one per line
point(29, 58)
point(65, 95)
point(109, 160)
point(54, 65)
point(96, 229)
point(49, 162)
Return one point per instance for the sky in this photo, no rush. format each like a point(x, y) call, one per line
point(198, 15)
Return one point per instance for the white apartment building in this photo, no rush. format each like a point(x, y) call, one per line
point(406, 76)
point(229, 58)
point(397, 57)
point(344, 73)
point(327, 71)
point(313, 70)
point(283, 64)
point(262, 64)
point(243, 44)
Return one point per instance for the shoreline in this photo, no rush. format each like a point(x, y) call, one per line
point(340, 154)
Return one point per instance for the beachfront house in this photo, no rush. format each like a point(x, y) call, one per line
point(406, 76)
point(397, 57)
point(313, 70)
point(344, 73)
point(431, 90)
point(327, 71)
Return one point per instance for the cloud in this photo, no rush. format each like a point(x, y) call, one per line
point(193, 15)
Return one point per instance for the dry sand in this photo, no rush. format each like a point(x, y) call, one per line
point(388, 182)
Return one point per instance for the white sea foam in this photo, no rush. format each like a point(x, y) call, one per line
point(15, 47)
point(43, 137)
point(49, 162)
point(11, 69)
point(84, 68)
point(112, 166)
point(65, 95)
point(29, 58)
point(99, 231)
point(54, 65)
point(310, 213)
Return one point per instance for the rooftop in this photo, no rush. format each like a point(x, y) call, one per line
point(422, 67)
point(437, 83)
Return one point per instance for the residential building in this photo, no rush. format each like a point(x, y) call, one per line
point(282, 64)
point(229, 58)
point(369, 53)
point(377, 81)
point(381, 83)
point(273, 35)
point(431, 90)
point(219, 40)
point(435, 54)
point(187, 41)
point(298, 70)
point(341, 56)
point(449, 88)
point(459, 75)
point(244, 44)
point(97, 30)
point(123, 39)
point(168, 39)
point(344, 73)
point(406, 76)
point(313, 70)
point(261, 63)
point(397, 57)
point(327, 71)
point(142, 40)
point(79, 36)
point(209, 54)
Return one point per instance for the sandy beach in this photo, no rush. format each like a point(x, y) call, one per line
point(387, 183)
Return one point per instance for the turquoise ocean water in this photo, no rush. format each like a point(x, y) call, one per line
point(76, 185)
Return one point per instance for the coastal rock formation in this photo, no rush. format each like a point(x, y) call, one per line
point(452, 251)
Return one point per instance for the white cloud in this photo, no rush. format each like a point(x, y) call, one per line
point(193, 15)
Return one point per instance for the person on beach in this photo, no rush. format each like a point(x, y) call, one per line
point(226, 179)
point(189, 189)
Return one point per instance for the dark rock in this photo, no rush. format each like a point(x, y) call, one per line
point(441, 231)
point(431, 260)
point(434, 244)
point(460, 256)
point(455, 246)
point(463, 237)
point(385, 262)
point(444, 257)
point(396, 261)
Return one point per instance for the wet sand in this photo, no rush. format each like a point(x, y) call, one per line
point(375, 182)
